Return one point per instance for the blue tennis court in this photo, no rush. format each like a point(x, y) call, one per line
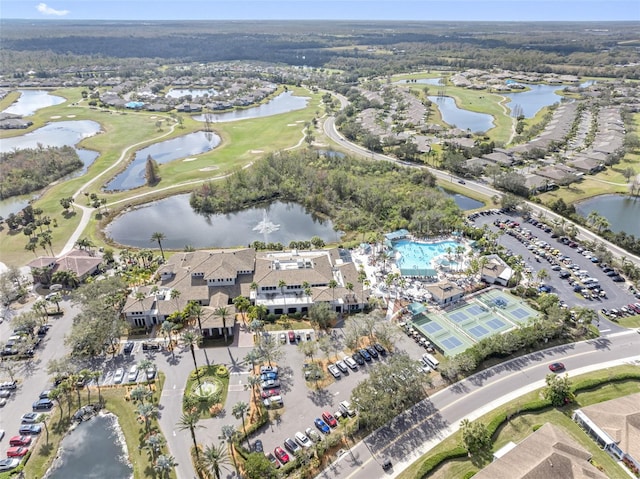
point(520, 313)
point(478, 331)
point(476, 310)
point(451, 342)
point(458, 317)
point(432, 327)
point(495, 324)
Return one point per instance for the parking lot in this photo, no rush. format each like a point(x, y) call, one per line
point(532, 240)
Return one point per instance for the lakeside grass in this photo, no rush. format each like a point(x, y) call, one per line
point(115, 402)
point(522, 426)
point(242, 143)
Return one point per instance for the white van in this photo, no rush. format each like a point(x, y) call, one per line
point(273, 402)
point(55, 287)
point(430, 360)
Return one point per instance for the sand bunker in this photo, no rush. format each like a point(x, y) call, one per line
point(55, 117)
point(71, 116)
point(209, 168)
point(190, 159)
point(256, 151)
point(292, 124)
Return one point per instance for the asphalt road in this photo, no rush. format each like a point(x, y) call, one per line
point(418, 430)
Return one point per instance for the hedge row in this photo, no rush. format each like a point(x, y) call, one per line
point(497, 421)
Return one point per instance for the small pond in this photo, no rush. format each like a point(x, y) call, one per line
point(13, 205)
point(61, 133)
point(534, 99)
point(193, 92)
point(464, 202)
point(423, 81)
point(460, 118)
point(622, 212)
point(93, 450)
point(174, 217)
point(283, 103)
point(163, 152)
point(31, 101)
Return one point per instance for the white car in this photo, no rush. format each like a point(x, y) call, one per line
point(334, 370)
point(302, 439)
point(118, 376)
point(133, 373)
point(313, 434)
point(350, 362)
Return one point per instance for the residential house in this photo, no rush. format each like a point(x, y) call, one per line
point(549, 453)
point(615, 426)
point(501, 157)
point(587, 165)
point(81, 262)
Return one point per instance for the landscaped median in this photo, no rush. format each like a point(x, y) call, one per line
point(118, 400)
point(516, 420)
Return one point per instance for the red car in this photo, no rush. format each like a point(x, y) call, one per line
point(267, 393)
point(282, 456)
point(20, 441)
point(329, 419)
point(555, 367)
point(17, 451)
point(292, 337)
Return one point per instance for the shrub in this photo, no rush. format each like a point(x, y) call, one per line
point(222, 371)
point(432, 463)
point(536, 427)
point(469, 474)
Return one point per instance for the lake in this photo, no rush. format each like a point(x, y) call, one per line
point(278, 222)
point(13, 205)
point(31, 101)
point(59, 133)
point(163, 152)
point(533, 100)
point(283, 103)
point(622, 212)
point(460, 118)
point(92, 450)
point(423, 81)
point(194, 92)
point(464, 202)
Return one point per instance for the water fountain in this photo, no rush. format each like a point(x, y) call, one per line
point(266, 226)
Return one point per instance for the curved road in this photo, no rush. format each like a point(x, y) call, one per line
point(418, 430)
point(331, 132)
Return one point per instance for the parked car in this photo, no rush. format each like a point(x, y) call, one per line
point(133, 373)
point(282, 456)
point(5, 393)
point(268, 369)
point(20, 441)
point(18, 451)
point(3, 402)
point(257, 446)
point(329, 419)
point(291, 446)
point(313, 434)
point(30, 429)
point(42, 405)
point(9, 463)
point(128, 347)
point(555, 367)
point(322, 426)
point(292, 337)
point(365, 355)
point(372, 351)
point(150, 372)
point(380, 348)
point(118, 376)
point(29, 418)
point(334, 370)
point(9, 385)
point(267, 393)
point(272, 459)
point(342, 366)
point(350, 362)
point(44, 394)
point(357, 357)
point(268, 376)
point(346, 408)
point(148, 346)
point(283, 338)
point(303, 440)
point(270, 384)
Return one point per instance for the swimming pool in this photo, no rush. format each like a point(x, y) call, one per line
point(415, 256)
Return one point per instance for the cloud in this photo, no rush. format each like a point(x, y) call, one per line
point(47, 10)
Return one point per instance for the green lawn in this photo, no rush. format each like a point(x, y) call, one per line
point(115, 402)
point(521, 426)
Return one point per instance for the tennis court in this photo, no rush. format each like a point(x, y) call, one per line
point(442, 333)
point(508, 306)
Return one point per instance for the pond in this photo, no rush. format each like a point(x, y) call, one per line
point(619, 210)
point(534, 99)
point(278, 222)
point(93, 450)
point(193, 92)
point(163, 152)
point(460, 118)
point(61, 133)
point(283, 103)
point(31, 101)
point(423, 81)
point(464, 202)
point(13, 205)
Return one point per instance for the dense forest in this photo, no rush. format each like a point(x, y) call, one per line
point(360, 48)
point(358, 195)
point(24, 171)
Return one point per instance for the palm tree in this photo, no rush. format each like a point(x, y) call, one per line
point(195, 309)
point(333, 284)
point(145, 364)
point(153, 445)
point(189, 421)
point(222, 312)
point(239, 410)
point(164, 463)
point(147, 412)
point(192, 339)
point(228, 433)
point(281, 285)
point(167, 327)
point(254, 381)
point(214, 459)
point(158, 237)
point(139, 393)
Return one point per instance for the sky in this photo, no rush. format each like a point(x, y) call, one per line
point(415, 10)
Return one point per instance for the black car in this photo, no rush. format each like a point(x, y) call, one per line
point(149, 346)
point(365, 354)
point(372, 351)
point(358, 358)
point(380, 349)
point(618, 279)
point(128, 347)
point(42, 405)
point(257, 446)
